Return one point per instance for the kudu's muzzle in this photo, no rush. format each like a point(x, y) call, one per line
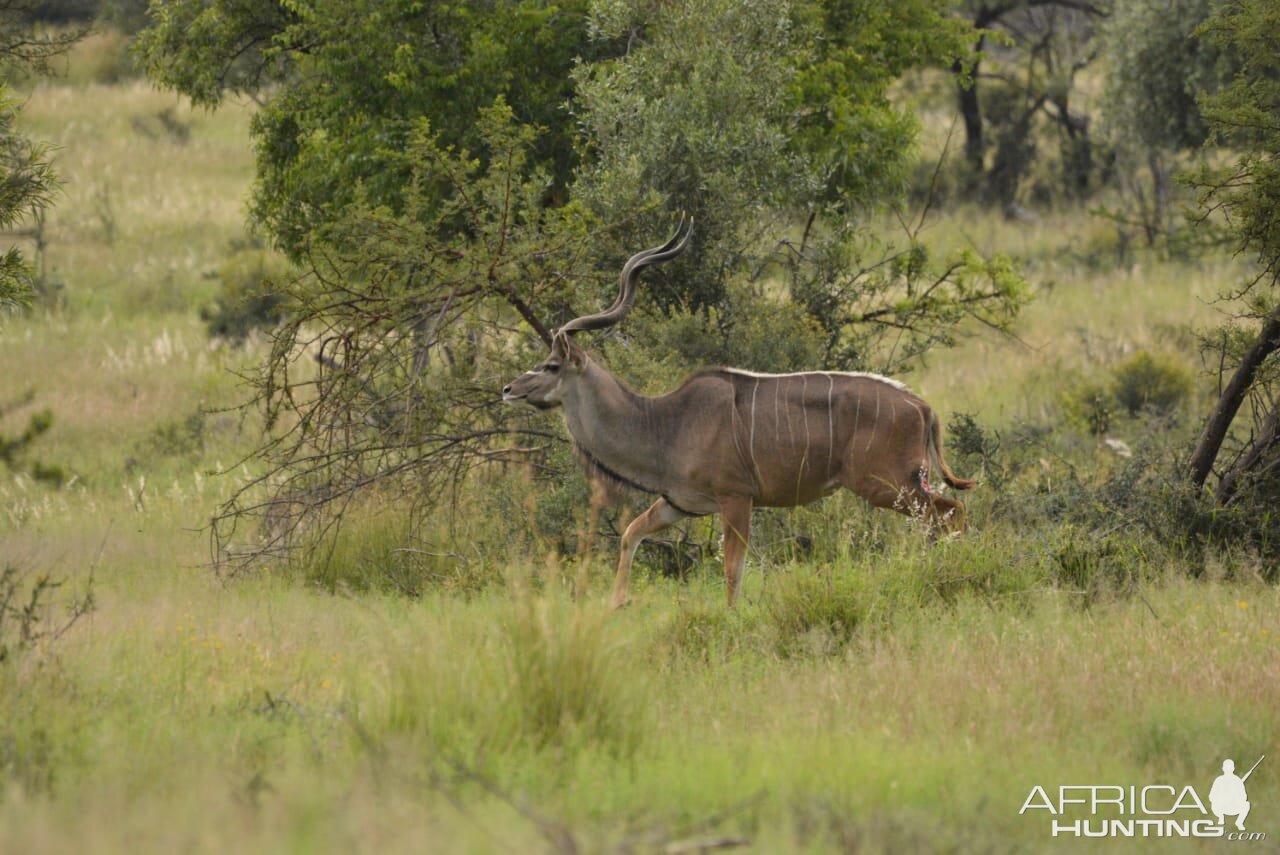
point(521, 391)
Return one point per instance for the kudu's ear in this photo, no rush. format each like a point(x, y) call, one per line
point(573, 354)
point(564, 349)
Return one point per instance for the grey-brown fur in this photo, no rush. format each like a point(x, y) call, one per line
point(727, 440)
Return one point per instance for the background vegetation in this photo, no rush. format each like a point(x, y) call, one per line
point(438, 670)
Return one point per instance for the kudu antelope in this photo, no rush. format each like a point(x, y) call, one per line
point(729, 440)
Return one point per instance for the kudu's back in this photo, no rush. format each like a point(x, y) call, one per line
point(798, 437)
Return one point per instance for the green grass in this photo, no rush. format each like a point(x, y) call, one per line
point(281, 717)
point(875, 695)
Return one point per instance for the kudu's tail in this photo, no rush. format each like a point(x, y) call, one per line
point(935, 455)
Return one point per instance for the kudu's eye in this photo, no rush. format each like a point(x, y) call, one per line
point(551, 367)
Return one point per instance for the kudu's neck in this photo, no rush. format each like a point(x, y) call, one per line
point(614, 425)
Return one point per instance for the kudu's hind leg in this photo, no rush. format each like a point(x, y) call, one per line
point(735, 514)
point(659, 516)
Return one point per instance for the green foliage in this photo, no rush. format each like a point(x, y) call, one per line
point(1096, 568)
point(206, 50)
point(1246, 116)
point(750, 330)
point(697, 117)
point(63, 12)
point(1109, 519)
point(27, 179)
point(977, 448)
point(126, 16)
point(406, 318)
point(28, 618)
point(703, 631)
point(376, 550)
point(15, 451)
point(1158, 68)
point(426, 212)
point(1025, 117)
point(271, 715)
point(850, 301)
point(819, 612)
point(27, 185)
point(565, 682)
point(855, 51)
point(745, 115)
point(1157, 385)
point(348, 85)
point(105, 56)
point(1089, 405)
point(1149, 382)
point(252, 296)
point(818, 609)
point(883, 304)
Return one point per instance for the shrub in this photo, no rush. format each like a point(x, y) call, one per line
point(15, 450)
point(102, 57)
point(1143, 383)
point(1154, 383)
point(707, 632)
point(1089, 406)
point(26, 608)
point(251, 295)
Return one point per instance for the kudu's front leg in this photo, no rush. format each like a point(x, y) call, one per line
point(735, 514)
point(659, 516)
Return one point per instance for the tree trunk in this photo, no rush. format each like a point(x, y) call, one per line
point(1156, 225)
point(1266, 439)
point(971, 114)
point(1215, 431)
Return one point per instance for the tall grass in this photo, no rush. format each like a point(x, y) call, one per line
point(543, 674)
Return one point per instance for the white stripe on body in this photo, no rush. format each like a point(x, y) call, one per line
point(831, 419)
point(874, 422)
point(865, 375)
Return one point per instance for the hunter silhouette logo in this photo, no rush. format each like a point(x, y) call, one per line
point(1228, 797)
point(1153, 810)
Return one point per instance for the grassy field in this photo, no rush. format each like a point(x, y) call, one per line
point(886, 696)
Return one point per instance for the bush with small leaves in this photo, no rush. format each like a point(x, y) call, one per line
point(1152, 383)
point(251, 297)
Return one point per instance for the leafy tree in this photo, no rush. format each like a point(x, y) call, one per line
point(27, 179)
point(1022, 81)
point(344, 84)
point(1158, 68)
point(758, 117)
point(384, 373)
point(27, 185)
point(1245, 117)
point(750, 116)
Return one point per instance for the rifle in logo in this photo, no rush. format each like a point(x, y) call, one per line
point(1227, 797)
